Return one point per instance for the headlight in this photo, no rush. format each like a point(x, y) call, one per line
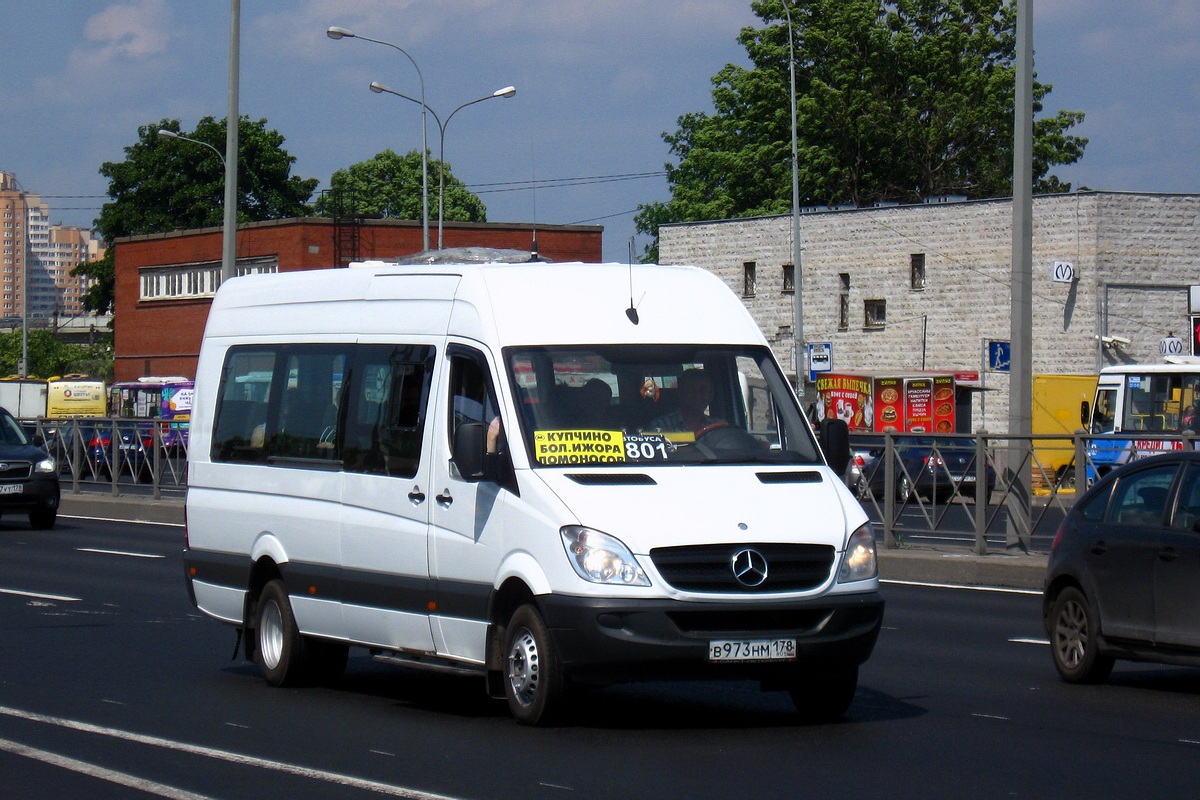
point(45, 465)
point(858, 563)
point(601, 558)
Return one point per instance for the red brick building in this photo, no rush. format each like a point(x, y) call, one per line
point(164, 283)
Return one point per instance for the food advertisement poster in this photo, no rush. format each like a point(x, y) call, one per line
point(918, 405)
point(845, 397)
point(943, 404)
point(889, 404)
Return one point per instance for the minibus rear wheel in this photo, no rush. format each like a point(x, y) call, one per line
point(533, 680)
point(279, 647)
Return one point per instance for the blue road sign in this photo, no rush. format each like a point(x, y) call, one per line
point(999, 355)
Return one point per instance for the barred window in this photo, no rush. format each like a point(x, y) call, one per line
point(195, 279)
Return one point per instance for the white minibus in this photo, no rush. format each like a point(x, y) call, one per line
point(547, 475)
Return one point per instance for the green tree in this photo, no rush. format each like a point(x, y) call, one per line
point(388, 186)
point(166, 184)
point(47, 356)
point(896, 100)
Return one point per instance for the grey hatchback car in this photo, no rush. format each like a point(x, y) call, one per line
point(28, 476)
point(1123, 570)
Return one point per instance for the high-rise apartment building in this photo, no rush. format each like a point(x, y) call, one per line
point(36, 259)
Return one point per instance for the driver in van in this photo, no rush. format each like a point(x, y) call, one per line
point(695, 395)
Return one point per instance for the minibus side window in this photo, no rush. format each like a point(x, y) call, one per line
point(241, 418)
point(307, 423)
point(386, 418)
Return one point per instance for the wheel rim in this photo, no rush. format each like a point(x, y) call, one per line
point(270, 634)
point(523, 668)
point(1071, 634)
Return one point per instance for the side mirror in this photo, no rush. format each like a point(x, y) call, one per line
point(835, 442)
point(1085, 413)
point(470, 444)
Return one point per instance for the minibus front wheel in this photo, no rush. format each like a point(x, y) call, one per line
point(533, 680)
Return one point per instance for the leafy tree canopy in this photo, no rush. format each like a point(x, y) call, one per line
point(896, 100)
point(169, 184)
point(47, 356)
point(388, 186)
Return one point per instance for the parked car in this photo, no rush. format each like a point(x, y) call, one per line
point(1123, 569)
point(28, 475)
point(123, 446)
point(864, 451)
point(926, 466)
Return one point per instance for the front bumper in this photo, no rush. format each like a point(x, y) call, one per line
point(607, 641)
point(34, 493)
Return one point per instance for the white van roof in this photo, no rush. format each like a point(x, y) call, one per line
point(530, 304)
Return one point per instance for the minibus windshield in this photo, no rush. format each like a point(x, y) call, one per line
point(647, 405)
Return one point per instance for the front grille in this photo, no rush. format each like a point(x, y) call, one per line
point(709, 568)
point(15, 470)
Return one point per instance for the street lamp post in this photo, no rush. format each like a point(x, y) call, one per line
point(341, 33)
point(797, 274)
point(229, 226)
point(507, 91)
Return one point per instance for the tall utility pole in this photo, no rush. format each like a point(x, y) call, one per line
point(797, 273)
point(1020, 376)
point(232, 123)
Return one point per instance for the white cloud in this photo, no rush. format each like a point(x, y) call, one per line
point(133, 31)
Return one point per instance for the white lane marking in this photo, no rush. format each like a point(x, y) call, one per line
point(93, 771)
point(1000, 589)
point(1022, 640)
point(224, 755)
point(40, 596)
point(990, 716)
point(117, 553)
point(122, 519)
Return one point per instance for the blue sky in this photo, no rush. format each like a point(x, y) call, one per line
point(597, 85)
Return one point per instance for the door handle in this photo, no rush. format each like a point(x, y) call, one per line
point(1168, 554)
point(416, 496)
point(444, 498)
point(1099, 548)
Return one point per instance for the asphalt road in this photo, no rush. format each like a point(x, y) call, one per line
point(112, 686)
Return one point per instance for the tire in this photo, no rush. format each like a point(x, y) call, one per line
point(533, 682)
point(1075, 639)
point(824, 696)
point(280, 650)
point(43, 519)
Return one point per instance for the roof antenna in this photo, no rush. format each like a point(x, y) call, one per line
point(533, 252)
point(631, 312)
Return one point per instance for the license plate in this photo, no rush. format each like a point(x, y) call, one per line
point(734, 650)
point(12, 488)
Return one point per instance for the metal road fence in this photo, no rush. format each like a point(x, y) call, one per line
point(114, 453)
point(990, 492)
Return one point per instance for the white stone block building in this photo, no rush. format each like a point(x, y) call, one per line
point(911, 287)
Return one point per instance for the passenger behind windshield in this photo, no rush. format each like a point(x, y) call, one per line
point(692, 413)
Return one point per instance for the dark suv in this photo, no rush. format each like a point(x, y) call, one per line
point(1121, 581)
point(28, 476)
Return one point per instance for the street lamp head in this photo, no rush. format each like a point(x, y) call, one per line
point(163, 133)
point(507, 91)
point(339, 33)
point(379, 88)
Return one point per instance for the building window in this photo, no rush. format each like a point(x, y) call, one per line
point(789, 278)
point(874, 314)
point(843, 301)
point(180, 281)
point(917, 271)
point(748, 278)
